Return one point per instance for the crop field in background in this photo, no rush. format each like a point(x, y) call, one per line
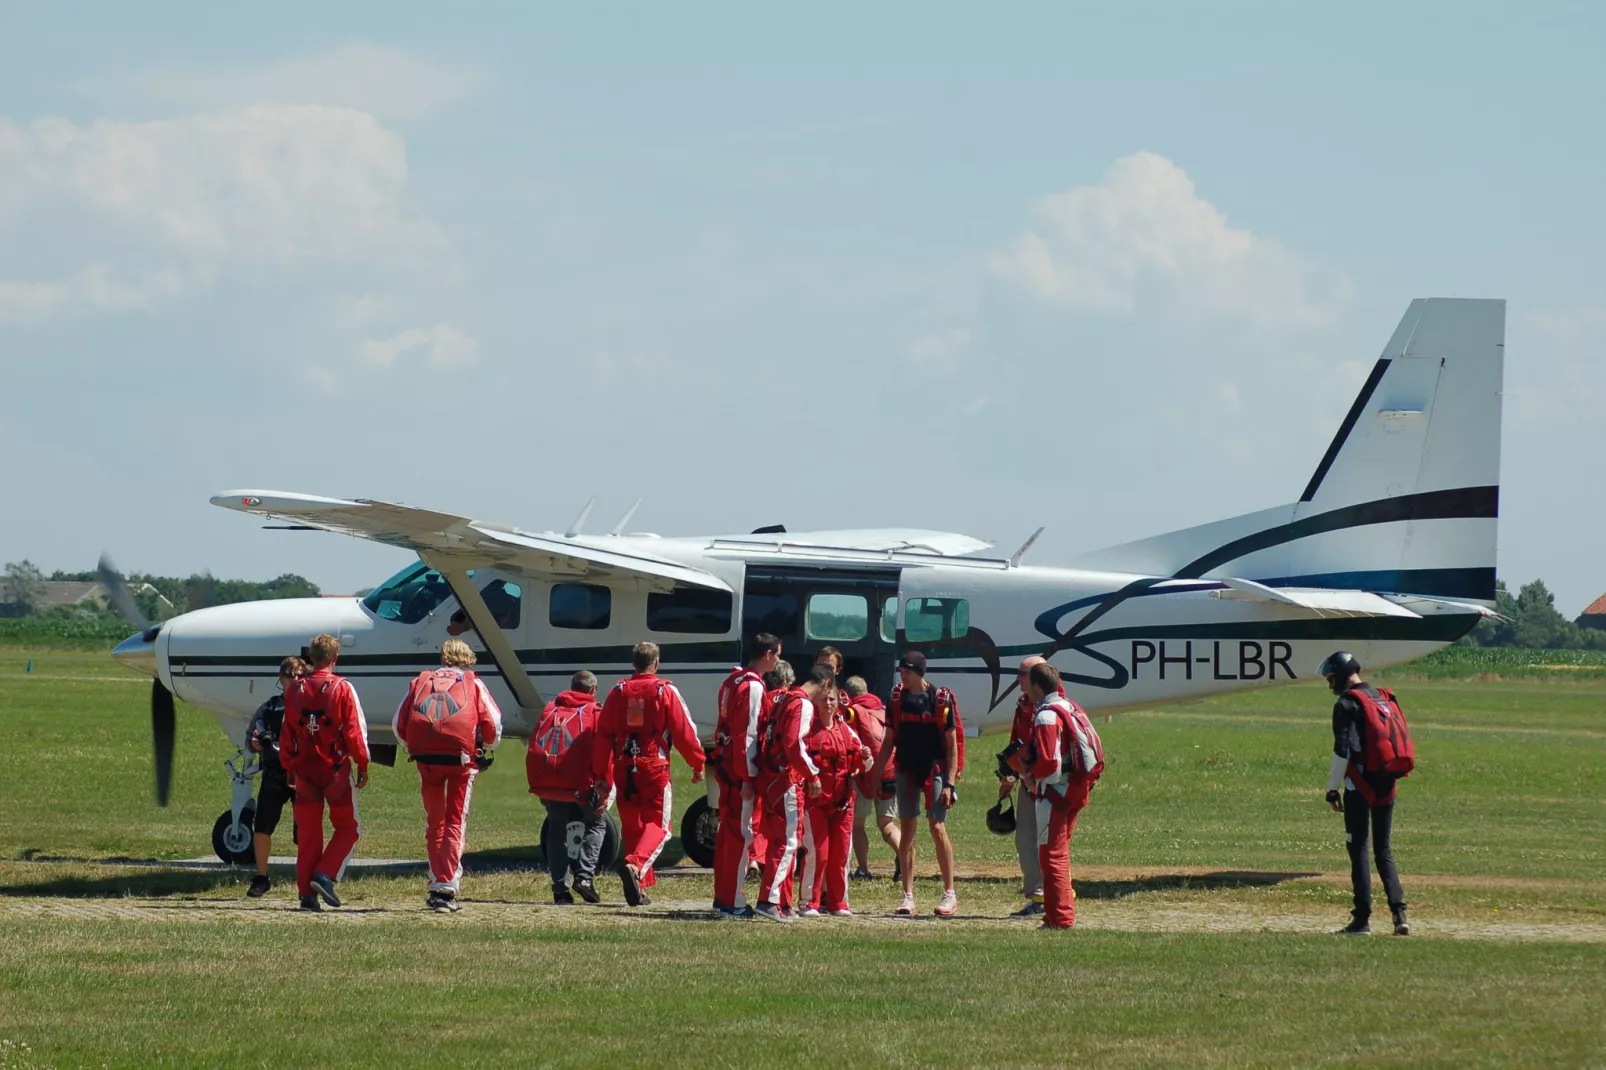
point(1208, 874)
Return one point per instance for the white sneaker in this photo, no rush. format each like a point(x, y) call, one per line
point(949, 905)
point(842, 912)
point(907, 906)
point(810, 912)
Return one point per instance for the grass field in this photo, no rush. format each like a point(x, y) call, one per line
point(1208, 873)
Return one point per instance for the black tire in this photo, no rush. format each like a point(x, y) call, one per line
point(610, 843)
point(697, 831)
point(245, 855)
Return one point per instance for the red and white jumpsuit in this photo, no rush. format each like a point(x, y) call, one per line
point(828, 818)
point(741, 699)
point(1058, 794)
point(445, 717)
point(324, 734)
point(783, 765)
point(641, 718)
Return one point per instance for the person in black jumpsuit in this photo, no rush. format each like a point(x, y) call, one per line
point(1368, 816)
point(263, 737)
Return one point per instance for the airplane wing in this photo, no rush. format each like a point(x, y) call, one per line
point(883, 540)
point(425, 531)
point(1324, 601)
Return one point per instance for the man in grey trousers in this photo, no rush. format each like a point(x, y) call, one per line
point(1020, 734)
point(558, 767)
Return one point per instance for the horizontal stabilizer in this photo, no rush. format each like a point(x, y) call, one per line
point(1323, 601)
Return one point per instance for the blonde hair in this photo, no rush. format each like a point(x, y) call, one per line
point(645, 656)
point(456, 654)
point(323, 650)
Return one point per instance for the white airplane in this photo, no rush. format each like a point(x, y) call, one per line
point(1389, 552)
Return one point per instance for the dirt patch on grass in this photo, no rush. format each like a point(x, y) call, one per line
point(1127, 915)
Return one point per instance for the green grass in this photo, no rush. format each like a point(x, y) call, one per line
point(1207, 872)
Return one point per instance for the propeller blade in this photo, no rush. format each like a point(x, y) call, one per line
point(117, 593)
point(203, 591)
point(162, 733)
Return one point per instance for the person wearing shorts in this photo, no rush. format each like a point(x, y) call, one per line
point(262, 736)
point(923, 737)
point(868, 717)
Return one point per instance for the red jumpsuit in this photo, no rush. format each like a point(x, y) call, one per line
point(828, 818)
point(741, 698)
point(640, 719)
point(1059, 794)
point(783, 763)
point(324, 733)
point(442, 735)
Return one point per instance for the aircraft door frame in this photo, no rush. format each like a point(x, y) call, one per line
point(776, 598)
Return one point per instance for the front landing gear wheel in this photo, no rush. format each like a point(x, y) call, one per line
point(233, 843)
point(697, 831)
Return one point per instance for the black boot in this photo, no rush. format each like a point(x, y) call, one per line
point(1401, 926)
point(1358, 926)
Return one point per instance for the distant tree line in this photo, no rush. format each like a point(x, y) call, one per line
point(158, 597)
point(1530, 620)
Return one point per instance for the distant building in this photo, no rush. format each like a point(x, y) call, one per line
point(1594, 616)
point(54, 593)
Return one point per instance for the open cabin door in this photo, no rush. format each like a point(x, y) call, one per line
point(854, 610)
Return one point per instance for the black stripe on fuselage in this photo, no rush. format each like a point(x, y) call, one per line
point(1473, 583)
point(724, 651)
point(1344, 429)
point(1461, 503)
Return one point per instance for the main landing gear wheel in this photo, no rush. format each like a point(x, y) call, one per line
point(610, 841)
point(233, 843)
point(697, 831)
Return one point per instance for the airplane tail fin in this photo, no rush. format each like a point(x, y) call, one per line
point(1406, 498)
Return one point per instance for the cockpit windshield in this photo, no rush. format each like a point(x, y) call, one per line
point(410, 595)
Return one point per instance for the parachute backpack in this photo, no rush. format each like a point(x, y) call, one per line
point(558, 760)
point(445, 712)
point(1386, 745)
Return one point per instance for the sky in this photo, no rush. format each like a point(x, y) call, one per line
point(1112, 269)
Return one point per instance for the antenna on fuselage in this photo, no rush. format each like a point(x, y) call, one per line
point(619, 528)
point(579, 521)
point(1014, 562)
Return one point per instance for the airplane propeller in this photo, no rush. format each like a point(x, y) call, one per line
point(164, 722)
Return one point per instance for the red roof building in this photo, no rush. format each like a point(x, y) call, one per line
point(1594, 615)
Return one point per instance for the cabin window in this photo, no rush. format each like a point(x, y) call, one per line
point(776, 612)
point(695, 610)
point(580, 605)
point(889, 620)
point(838, 618)
point(930, 620)
point(409, 596)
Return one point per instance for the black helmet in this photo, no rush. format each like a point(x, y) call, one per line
point(1339, 663)
point(1000, 820)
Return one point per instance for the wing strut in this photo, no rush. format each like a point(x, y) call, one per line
point(496, 644)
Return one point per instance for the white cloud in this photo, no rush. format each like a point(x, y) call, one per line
point(940, 351)
point(95, 287)
point(357, 312)
point(443, 346)
point(1145, 239)
point(376, 79)
point(133, 214)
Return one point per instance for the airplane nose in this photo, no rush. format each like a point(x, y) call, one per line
point(138, 651)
